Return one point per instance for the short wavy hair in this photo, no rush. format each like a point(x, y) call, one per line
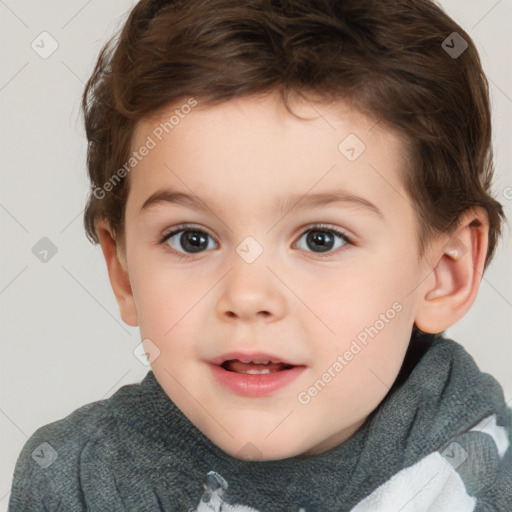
point(391, 60)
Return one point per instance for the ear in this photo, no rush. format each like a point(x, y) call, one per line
point(118, 274)
point(458, 263)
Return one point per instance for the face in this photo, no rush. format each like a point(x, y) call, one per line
point(253, 235)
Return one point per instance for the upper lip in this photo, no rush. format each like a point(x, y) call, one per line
point(251, 356)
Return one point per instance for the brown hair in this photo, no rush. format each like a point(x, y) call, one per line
point(392, 60)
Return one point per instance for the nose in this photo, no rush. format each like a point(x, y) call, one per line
point(251, 292)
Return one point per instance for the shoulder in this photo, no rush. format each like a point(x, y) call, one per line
point(47, 471)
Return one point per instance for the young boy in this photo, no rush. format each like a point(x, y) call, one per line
point(293, 201)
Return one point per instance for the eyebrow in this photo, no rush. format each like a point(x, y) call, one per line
point(304, 201)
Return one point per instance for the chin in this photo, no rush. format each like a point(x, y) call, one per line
point(253, 452)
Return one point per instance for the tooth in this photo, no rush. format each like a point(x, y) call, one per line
point(257, 372)
point(255, 362)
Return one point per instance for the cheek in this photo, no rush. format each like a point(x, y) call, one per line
point(164, 298)
point(369, 311)
point(355, 298)
point(365, 362)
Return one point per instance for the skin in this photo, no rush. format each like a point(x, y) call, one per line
point(294, 301)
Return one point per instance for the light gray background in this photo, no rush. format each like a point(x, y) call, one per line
point(63, 342)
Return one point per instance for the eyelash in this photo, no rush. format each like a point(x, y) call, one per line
point(315, 227)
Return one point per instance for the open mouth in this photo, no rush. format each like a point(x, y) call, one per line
point(255, 368)
point(254, 375)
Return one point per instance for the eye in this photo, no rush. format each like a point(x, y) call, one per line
point(192, 240)
point(323, 239)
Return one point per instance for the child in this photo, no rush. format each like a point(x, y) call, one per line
point(284, 376)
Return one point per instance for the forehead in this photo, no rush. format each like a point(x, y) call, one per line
point(251, 150)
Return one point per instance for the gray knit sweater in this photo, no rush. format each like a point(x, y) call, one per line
point(440, 440)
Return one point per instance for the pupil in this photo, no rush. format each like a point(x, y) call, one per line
point(319, 238)
point(193, 240)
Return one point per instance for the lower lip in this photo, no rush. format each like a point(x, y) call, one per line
point(255, 385)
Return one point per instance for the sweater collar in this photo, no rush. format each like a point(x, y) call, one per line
point(438, 393)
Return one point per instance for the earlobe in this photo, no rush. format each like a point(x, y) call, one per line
point(118, 275)
point(453, 284)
